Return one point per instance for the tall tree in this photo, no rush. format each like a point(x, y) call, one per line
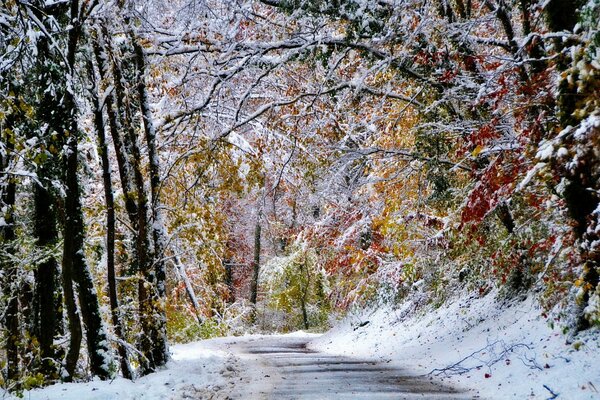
point(74, 228)
point(155, 271)
point(255, 262)
point(110, 225)
point(578, 166)
point(9, 281)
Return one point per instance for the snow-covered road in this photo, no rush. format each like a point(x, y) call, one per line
point(281, 367)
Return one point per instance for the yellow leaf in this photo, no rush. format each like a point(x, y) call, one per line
point(477, 150)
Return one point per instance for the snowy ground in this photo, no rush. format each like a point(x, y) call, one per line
point(471, 345)
point(195, 372)
point(503, 352)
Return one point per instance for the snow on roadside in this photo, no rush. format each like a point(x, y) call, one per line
point(200, 370)
point(501, 351)
point(194, 372)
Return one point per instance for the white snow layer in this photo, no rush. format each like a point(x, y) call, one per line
point(194, 372)
point(502, 352)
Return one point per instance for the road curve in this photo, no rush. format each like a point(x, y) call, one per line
point(282, 367)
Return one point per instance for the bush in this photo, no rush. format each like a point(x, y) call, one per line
point(298, 287)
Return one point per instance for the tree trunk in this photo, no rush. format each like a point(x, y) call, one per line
point(255, 264)
point(45, 318)
point(73, 256)
point(75, 333)
point(46, 292)
point(227, 266)
point(74, 261)
point(582, 177)
point(110, 230)
point(305, 279)
point(158, 332)
point(189, 289)
point(115, 127)
point(130, 168)
point(52, 109)
point(45, 297)
point(505, 216)
point(10, 284)
point(46, 322)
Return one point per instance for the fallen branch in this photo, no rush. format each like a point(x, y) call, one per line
point(554, 395)
point(459, 368)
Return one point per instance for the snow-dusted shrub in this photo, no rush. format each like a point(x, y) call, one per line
point(297, 286)
point(592, 311)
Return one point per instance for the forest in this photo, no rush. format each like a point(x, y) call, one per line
point(172, 171)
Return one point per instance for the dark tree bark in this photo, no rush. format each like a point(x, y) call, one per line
point(73, 256)
point(255, 264)
point(74, 321)
point(46, 319)
point(110, 229)
point(506, 217)
point(227, 266)
point(120, 142)
point(46, 326)
point(74, 260)
point(536, 49)
point(44, 297)
point(304, 288)
point(51, 110)
point(156, 276)
point(582, 178)
point(562, 14)
point(10, 283)
point(151, 289)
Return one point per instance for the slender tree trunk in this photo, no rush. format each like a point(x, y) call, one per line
point(46, 291)
point(142, 261)
point(305, 274)
point(506, 217)
point(74, 261)
point(536, 49)
point(146, 283)
point(304, 312)
point(148, 237)
point(123, 161)
point(110, 230)
point(10, 284)
point(158, 331)
point(75, 332)
point(255, 264)
point(52, 110)
point(12, 325)
point(189, 289)
point(229, 280)
point(45, 325)
point(74, 257)
point(43, 298)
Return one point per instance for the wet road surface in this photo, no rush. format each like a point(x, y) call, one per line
point(282, 367)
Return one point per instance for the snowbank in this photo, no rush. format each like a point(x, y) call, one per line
point(194, 372)
point(500, 351)
point(199, 370)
